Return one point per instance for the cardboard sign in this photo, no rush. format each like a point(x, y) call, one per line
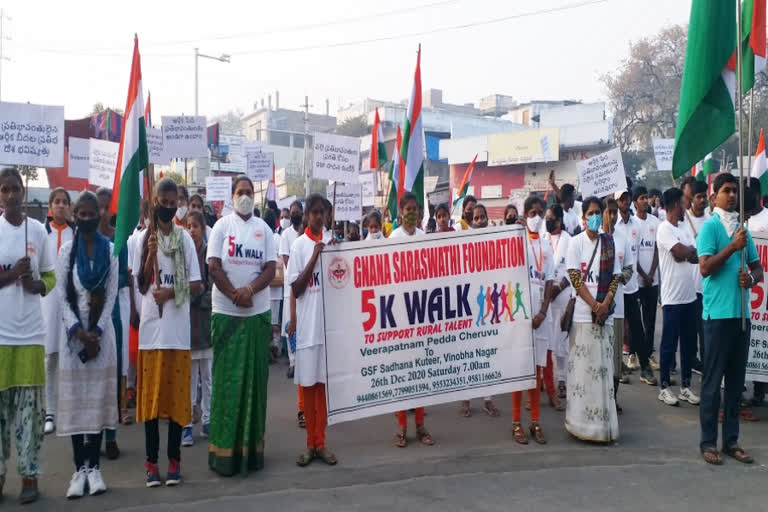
point(31, 135)
point(336, 158)
point(347, 201)
point(664, 150)
point(218, 188)
point(102, 162)
point(185, 136)
point(368, 182)
point(602, 175)
point(259, 165)
point(156, 147)
point(78, 158)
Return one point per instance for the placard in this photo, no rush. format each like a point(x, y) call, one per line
point(102, 162)
point(336, 158)
point(347, 203)
point(664, 150)
point(524, 146)
point(368, 183)
point(156, 147)
point(78, 158)
point(218, 188)
point(185, 136)
point(259, 165)
point(757, 359)
point(406, 323)
point(286, 203)
point(31, 135)
point(602, 175)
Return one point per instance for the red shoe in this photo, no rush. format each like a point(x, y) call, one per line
point(174, 473)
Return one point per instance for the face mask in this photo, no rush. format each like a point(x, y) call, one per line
point(550, 223)
point(181, 212)
point(244, 205)
point(511, 220)
point(285, 223)
point(534, 223)
point(375, 236)
point(165, 214)
point(296, 219)
point(354, 237)
point(480, 225)
point(87, 226)
point(594, 222)
point(411, 219)
point(365, 234)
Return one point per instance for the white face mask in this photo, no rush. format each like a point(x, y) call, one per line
point(181, 212)
point(244, 205)
point(375, 236)
point(534, 223)
point(285, 223)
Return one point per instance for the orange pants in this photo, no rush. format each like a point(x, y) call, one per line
point(301, 399)
point(402, 417)
point(535, 396)
point(315, 414)
point(549, 376)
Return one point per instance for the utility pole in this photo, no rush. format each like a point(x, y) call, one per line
point(3, 37)
point(307, 165)
point(197, 52)
point(224, 57)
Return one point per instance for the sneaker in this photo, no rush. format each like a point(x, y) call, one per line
point(667, 397)
point(153, 475)
point(648, 377)
point(96, 483)
point(632, 363)
point(673, 371)
point(77, 484)
point(625, 349)
point(206, 430)
point(111, 450)
point(50, 424)
point(689, 396)
point(174, 473)
point(187, 437)
point(654, 363)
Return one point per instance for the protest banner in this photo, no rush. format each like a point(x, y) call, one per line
point(757, 359)
point(602, 175)
point(336, 158)
point(78, 158)
point(368, 182)
point(524, 146)
point(156, 147)
point(347, 201)
point(102, 162)
point(185, 136)
point(31, 135)
point(218, 188)
point(406, 323)
point(286, 203)
point(259, 165)
point(664, 150)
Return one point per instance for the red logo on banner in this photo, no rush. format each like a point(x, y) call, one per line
point(338, 272)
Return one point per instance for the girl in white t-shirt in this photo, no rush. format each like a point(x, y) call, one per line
point(373, 224)
point(303, 277)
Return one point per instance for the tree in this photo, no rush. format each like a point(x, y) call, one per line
point(353, 127)
point(230, 122)
point(99, 107)
point(177, 177)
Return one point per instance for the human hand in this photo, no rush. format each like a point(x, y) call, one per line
point(242, 297)
point(162, 295)
point(152, 244)
point(538, 320)
point(22, 268)
point(745, 279)
point(319, 246)
point(292, 327)
point(739, 239)
point(135, 318)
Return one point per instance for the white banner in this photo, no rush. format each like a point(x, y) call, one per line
point(156, 147)
point(368, 182)
point(286, 203)
point(757, 359)
point(602, 175)
point(336, 158)
point(102, 162)
point(218, 188)
point(78, 158)
point(664, 150)
point(347, 202)
point(259, 165)
point(406, 324)
point(185, 136)
point(31, 135)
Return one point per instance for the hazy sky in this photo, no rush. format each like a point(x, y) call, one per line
point(77, 53)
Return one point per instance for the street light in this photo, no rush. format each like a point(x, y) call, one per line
point(224, 57)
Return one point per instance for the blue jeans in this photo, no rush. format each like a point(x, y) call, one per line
point(726, 347)
point(677, 322)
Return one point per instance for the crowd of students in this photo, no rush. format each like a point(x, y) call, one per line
point(191, 313)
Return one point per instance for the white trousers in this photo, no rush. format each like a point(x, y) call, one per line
point(201, 374)
point(51, 383)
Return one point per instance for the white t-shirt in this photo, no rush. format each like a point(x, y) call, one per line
point(276, 292)
point(645, 246)
point(171, 332)
point(759, 223)
point(693, 225)
point(310, 325)
point(571, 220)
point(559, 245)
point(541, 268)
point(286, 240)
point(631, 231)
point(400, 232)
point(243, 247)
point(580, 251)
point(677, 287)
point(623, 250)
point(662, 214)
point(50, 303)
point(22, 315)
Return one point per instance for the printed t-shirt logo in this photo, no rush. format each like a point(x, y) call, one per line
point(239, 251)
point(338, 272)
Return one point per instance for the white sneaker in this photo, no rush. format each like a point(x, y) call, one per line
point(77, 484)
point(50, 425)
point(96, 483)
point(689, 396)
point(632, 363)
point(654, 364)
point(667, 397)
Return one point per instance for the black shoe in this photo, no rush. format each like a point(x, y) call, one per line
point(289, 373)
point(647, 376)
point(112, 451)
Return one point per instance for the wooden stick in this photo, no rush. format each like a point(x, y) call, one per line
point(26, 211)
point(152, 224)
point(333, 209)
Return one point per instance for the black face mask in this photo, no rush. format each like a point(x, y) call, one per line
point(550, 223)
point(511, 220)
point(164, 213)
point(87, 226)
point(296, 219)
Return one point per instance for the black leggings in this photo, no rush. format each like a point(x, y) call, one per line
point(90, 452)
point(152, 440)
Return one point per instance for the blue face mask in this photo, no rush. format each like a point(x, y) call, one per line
point(594, 222)
point(365, 234)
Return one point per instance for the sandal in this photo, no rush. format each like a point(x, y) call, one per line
point(746, 414)
point(29, 492)
point(712, 456)
point(556, 403)
point(306, 457)
point(400, 440)
point(537, 433)
point(325, 455)
point(301, 420)
point(737, 452)
point(424, 436)
point(518, 433)
point(465, 410)
point(126, 419)
point(527, 404)
point(490, 409)
point(561, 390)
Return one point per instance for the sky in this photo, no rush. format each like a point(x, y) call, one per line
point(78, 53)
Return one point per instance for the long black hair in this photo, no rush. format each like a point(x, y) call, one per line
point(86, 197)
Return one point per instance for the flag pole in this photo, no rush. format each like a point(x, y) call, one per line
point(750, 151)
point(333, 209)
point(739, 80)
point(152, 224)
point(26, 212)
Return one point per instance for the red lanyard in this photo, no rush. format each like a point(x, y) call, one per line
point(540, 261)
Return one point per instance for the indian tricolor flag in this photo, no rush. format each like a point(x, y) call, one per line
point(412, 150)
point(753, 43)
point(706, 116)
point(396, 178)
point(701, 170)
point(132, 158)
point(463, 188)
point(378, 148)
point(760, 165)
